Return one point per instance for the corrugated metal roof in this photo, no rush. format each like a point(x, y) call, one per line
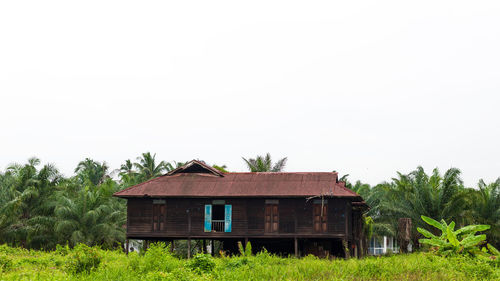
point(306, 184)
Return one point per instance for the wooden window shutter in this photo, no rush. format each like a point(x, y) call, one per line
point(159, 215)
point(208, 218)
point(271, 223)
point(320, 218)
point(275, 218)
point(228, 213)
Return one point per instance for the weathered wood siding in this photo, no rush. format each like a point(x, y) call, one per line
point(185, 218)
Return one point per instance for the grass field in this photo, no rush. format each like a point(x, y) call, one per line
point(84, 263)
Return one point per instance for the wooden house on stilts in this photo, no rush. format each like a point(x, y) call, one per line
point(287, 213)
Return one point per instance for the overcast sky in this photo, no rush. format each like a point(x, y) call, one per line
point(366, 88)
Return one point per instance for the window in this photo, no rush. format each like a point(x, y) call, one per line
point(271, 216)
point(320, 216)
point(159, 214)
point(218, 217)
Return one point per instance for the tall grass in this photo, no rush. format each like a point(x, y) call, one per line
point(159, 264)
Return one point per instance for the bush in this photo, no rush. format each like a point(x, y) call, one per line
point(5, 262)
point(7, 250)
point(157, 258)
point(134, 261)
point(62, 250)
point(202, 263)
point(83, 259)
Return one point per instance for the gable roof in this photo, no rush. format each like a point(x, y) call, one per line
point(195, 166)
point(190, 183)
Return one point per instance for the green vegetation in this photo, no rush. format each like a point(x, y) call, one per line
point(85, 263)
point(455, 242)
point(265, 164)
point(40, 210)
point(442, 197)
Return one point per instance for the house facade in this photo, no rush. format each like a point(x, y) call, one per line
point(288, 213)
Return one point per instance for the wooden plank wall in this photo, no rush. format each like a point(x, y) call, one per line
point(185, 217)
point(336, 215)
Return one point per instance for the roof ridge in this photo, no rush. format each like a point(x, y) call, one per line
point(281, 173)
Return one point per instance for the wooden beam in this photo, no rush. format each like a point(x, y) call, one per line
point(204, 246)
point(189, 248)
point(126, 245)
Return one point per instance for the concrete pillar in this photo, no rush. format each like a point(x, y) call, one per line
point(385, 245)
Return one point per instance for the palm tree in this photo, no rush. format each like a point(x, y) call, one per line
point(7, 216)
point(93, 171)
point(147, 167)
point(222, 168)
point(28, 201)
point(485, 208)
point(264, 164)
point(416, 194)
point(92, 216)
point(128, 176)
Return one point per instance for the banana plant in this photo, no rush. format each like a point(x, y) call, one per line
point(451, 241)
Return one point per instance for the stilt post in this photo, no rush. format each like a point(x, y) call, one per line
point(296, 246)
point(212, 247)
point(345, 245)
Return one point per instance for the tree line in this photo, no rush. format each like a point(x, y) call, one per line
point(40, 208)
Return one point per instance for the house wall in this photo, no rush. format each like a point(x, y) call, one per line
point(185, 218)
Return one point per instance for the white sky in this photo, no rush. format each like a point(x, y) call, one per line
point(366, 88)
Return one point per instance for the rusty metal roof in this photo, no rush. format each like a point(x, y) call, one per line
point(200, 184)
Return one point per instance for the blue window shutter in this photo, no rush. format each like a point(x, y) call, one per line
point(208, 218)
point(228, 218)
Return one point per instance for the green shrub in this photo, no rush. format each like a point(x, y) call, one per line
point(62, 250)
point(134, 261)
point(7, 250)
point(83, 259)
point(176, 275)
point(451, 241)
point(202, 263)
point(157, 258)
point(245, 251)
point(5, 262)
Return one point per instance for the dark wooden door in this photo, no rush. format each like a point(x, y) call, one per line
point(159, 216)
point(272, 218)
point(320, 219)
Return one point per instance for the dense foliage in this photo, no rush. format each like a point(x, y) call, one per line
point(159, 264)
point(40, 208)
point(442, 197)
